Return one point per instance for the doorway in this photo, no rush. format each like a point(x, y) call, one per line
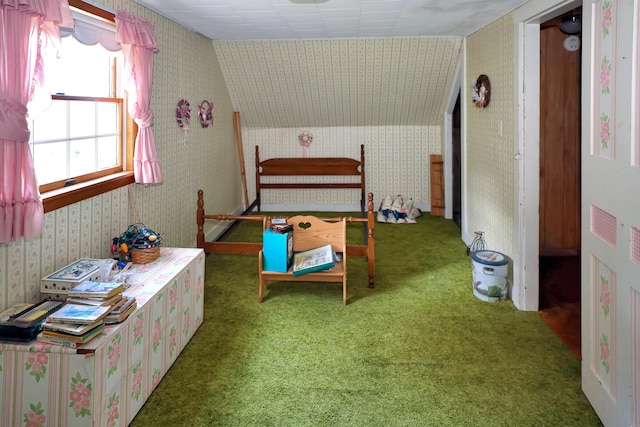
point(456, 164)
point(560, 166)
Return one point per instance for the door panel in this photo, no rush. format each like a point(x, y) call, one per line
point(559, 145)
point(610, 212)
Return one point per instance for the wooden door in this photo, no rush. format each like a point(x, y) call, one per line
point(611, 211)
point(559, 145)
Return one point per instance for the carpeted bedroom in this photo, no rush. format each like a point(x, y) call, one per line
point(418, 349)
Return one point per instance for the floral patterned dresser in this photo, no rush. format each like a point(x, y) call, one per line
point(106, 381)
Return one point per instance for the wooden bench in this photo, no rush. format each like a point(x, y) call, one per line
point(310, 232)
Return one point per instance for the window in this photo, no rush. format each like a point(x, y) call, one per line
point(82, 144)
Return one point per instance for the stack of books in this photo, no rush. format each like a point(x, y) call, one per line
point(73, 325)
point(89, 306)
point(105, 294)
point(122, 311)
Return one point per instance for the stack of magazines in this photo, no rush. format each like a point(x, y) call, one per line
point(88, 308)
point(73, 325)
point(106, 294)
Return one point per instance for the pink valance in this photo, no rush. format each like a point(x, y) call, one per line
point(55, 11)
point(133, 30)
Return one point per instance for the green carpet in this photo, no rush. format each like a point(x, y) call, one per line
point(418, 350)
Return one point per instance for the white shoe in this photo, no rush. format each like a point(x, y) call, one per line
point(396, 206)
point(381, 217)
point(407, 206)
point(415, 213)
point(391, 219)
point(386, 203)
point(410, 211)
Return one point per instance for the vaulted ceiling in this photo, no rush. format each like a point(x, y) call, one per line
point(322, 83)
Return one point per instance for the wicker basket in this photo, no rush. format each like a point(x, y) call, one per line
point(144, 256)
point(139, 245)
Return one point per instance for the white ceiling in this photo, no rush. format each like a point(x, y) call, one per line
point(331, 19)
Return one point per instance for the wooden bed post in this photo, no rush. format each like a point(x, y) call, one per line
point(258, 177)
point(362, 180)
point(371, 253)
point(200, 221)
point(238, 128)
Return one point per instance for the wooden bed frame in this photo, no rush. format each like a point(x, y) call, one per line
point(366, 250)
point(309, 166)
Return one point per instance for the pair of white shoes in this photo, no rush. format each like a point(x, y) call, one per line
point(397, 211)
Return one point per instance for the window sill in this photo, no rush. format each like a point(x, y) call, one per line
point(66, 196)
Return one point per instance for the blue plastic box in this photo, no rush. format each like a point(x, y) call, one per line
point(277, 251)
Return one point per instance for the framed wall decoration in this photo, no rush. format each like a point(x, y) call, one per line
point(205, 113)
point(183, 117)
point(305, 138)
point(183, 113)
point(481, 94)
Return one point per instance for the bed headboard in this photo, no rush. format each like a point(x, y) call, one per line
point(310, 166)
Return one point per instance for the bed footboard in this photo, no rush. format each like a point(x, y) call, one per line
point(366, 250)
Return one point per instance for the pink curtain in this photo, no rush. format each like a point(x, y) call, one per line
point(27, 29)
point(138, 45)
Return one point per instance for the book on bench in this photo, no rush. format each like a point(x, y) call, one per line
point(317, 259)
point(69, 340)
point(79, 314)
point(89, 289)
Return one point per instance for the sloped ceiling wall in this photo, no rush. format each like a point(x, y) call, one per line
point(350, 82)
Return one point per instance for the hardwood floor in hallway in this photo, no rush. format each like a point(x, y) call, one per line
point(560, 298)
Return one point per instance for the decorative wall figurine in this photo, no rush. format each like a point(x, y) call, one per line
point(183, 117)
point(305, 138)
point(183, 113)
point(205, 112)
point(481, 91)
